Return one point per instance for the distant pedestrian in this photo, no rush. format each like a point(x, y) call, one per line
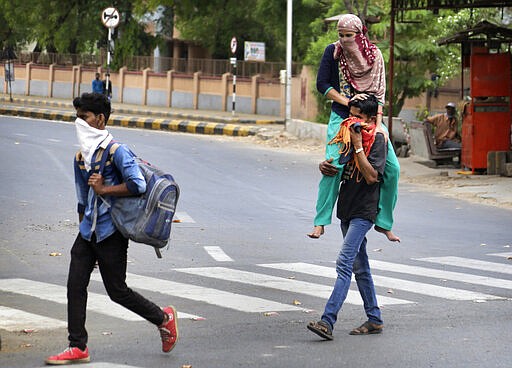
point(98, 239)
point(97, 84)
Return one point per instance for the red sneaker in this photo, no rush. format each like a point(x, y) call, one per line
point(69, 356)
point(169, 329)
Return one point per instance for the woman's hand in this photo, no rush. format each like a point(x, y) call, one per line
point(359, 96)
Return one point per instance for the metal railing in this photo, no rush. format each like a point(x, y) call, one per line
point(208, 67)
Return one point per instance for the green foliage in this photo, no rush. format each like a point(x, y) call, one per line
point(132, 40)
point(212, 24)
point(417, 54)
point(55, 28)
point(422, 113)
point(73, 27)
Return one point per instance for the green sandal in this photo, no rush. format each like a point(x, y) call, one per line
point(321, 328)
point(367, 328)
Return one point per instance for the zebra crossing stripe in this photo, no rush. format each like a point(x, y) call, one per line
point(441, 274)
point(58, 294)
point(221, 298)
point(104, 365)
point(16, 320)
point(183, 217)
point(279, 283)
point(470, 263)
point(218, 254)
point(388, 282)
point(504, 255)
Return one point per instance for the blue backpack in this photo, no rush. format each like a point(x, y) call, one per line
point(145, 218)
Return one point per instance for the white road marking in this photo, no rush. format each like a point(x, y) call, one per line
point(54, 140)
point(218, 254)
point(221, 298)
point(101, 365)
point(393, 283)
point(442, 274)
point(183, 217)
point(279, 283)
point(470, 263)
point(504, 255)
point(16, 320)
point(58, 294)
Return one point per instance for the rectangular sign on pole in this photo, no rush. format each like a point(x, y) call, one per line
point(254, 51)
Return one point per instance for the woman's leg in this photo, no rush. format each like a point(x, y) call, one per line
point(329, 185)
point(388, 195)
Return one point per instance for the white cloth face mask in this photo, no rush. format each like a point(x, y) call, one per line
point(89, 139)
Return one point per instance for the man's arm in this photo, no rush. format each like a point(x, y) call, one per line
point(328, 169)
point(133, 181)
point(96, 182)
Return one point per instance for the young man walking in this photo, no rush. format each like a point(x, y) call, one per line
point(358, 202)
point(99, 240)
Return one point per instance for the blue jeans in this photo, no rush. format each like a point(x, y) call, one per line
point(353, 258)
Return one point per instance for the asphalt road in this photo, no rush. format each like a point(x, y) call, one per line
point(240, 270)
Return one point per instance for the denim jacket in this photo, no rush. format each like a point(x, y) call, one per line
point(124, 169)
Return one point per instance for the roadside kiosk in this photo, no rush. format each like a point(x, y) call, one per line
point(486, 113)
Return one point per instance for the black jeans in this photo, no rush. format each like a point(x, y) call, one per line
point(111, 255)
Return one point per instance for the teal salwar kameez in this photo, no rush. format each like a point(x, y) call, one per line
point(329, 185)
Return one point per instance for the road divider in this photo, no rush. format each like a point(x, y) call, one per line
point(176, 125)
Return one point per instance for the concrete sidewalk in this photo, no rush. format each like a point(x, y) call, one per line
point(148, 117)
point(449, 181)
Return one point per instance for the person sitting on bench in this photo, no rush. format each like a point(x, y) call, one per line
point(446, 134)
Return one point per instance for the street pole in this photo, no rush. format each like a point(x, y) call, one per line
point(233, 60)
point(110, 18)
point(10, 79)
point(108, 59)
point(391, 69)
point(233, 46)
point(288, 60)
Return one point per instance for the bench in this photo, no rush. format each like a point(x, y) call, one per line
point(422, 143)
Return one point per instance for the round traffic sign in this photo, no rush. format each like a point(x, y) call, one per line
point(233, 45)
point(110, 17)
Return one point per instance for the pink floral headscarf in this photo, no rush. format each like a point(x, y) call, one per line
point(360, 61)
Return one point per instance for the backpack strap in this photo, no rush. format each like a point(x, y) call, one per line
point(107, 153)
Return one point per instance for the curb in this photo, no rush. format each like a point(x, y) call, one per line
point(165, 114)
point(176, 125)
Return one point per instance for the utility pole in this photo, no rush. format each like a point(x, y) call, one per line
point(288, 60)
point(110, 18)
point(233, 46)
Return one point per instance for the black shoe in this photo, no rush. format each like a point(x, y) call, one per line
point(321, 328)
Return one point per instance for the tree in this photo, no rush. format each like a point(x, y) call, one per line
point(212, 24)
point(417, 54)
point(74, 28)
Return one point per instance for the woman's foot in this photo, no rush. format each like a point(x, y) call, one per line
point(389, 234)
point(318, 231)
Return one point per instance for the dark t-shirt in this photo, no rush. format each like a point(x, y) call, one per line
point(357, 198)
